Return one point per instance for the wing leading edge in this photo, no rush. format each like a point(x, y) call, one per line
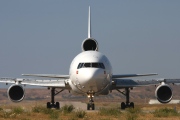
point(129, 83)
point(132, 75)
point(59, 83)
point(48, 75)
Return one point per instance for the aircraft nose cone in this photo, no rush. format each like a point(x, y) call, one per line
point(92, 75)
point(91, 79)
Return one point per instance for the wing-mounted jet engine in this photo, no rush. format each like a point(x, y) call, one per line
point(15, 93)
point(89, 44)
point(163, 93)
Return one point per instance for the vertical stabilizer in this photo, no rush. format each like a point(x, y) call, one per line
point(89, 23)
point(89, 44)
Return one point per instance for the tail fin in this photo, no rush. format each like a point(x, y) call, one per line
point(89, 23)
point(89, 43)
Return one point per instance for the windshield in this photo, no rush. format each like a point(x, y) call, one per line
point(91, 65)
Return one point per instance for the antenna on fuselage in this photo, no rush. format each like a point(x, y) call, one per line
point(89, 23)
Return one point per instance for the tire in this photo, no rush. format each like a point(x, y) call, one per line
point(48, 105)
point(57, 105)
point(131, 105)
point(88, 106)
point(93, 106)
point(123, 105)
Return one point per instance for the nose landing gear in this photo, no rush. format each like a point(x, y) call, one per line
point(91, 104)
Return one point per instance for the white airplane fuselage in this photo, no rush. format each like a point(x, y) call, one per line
point(88, 75)
point(90, 71)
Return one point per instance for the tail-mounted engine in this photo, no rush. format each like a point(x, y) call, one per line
point(164, 93)
point(89, 44)
point(15, 93)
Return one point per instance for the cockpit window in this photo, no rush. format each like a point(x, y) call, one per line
point(96, 65)
point(102, 65)
point(93, 65)
point(87, 64)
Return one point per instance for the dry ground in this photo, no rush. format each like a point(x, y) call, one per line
point(141, 112)
point(111, 103)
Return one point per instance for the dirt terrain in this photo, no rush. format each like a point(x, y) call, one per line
point(39, 96)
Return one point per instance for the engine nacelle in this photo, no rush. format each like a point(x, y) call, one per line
point(16, 93)
point(89, 44)
point(164, 93)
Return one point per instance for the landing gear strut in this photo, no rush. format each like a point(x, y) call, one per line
point(52, 104)
point(128, 104)
point(91, 105)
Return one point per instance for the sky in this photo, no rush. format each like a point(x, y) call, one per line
point(43, 36)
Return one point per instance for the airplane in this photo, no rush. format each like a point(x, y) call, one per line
point(90, 75)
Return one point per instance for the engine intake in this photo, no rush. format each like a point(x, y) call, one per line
point(164, 93)
point(89, 44)
point(15, 93)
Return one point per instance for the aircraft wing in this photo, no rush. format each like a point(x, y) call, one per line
point(123, 83)
point(132, 75)
point(48, 75)
point(59, 83)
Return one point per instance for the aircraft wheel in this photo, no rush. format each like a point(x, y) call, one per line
point(57, 105)
point(131, 105)
point(88, 106)
point(48, 105)
point(93, 106)
point(123, 105)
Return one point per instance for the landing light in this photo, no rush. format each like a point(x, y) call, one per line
point(90, 96)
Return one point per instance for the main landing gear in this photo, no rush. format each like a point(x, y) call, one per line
point(128, 104)
point(91, 105)
point(53, 104)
